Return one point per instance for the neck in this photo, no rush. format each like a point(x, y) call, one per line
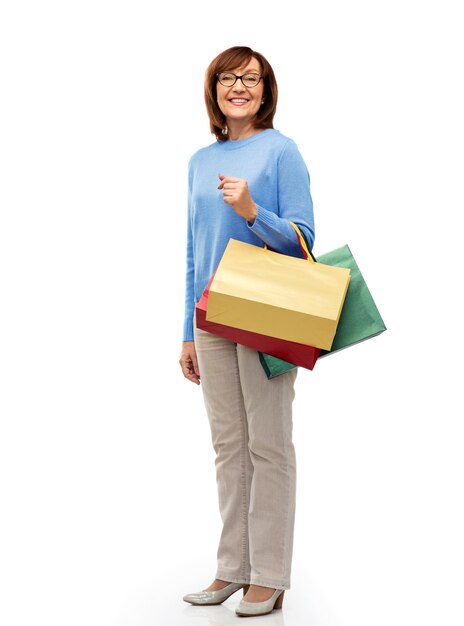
point(238, 130)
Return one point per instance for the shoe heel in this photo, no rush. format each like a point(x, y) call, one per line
point(279, 601)
point(245, 589)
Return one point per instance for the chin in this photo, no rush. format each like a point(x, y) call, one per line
point(241, 115)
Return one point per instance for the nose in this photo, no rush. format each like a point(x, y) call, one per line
point(238, 85)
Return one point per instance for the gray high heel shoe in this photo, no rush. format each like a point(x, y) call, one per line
point(246, 608)
point(214, 597)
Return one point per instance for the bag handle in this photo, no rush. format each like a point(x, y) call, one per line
point(303, 245)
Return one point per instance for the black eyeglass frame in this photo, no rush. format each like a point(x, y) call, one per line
point(237, 77)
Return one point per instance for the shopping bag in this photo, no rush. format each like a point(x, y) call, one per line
point(276, 295)
point(302, 355)
point(274, 366)
point(359, 320)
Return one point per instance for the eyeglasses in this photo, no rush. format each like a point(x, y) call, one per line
point(228, 79)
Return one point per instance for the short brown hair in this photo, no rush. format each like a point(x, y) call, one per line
point(238, 56)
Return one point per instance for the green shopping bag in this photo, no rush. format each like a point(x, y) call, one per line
point(274, 366)
point(359, 320)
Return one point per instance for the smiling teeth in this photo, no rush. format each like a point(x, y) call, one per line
point(238, 100)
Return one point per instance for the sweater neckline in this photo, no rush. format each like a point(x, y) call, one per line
point(234, 144)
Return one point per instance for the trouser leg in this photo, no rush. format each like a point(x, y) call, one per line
point(220, 381)
point(271, 513)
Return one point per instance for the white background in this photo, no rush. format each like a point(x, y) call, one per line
point(108, 492)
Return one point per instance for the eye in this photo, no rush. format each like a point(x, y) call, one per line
point(251, 79)
point(227, 79)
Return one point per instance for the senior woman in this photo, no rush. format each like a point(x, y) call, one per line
point(249, 185)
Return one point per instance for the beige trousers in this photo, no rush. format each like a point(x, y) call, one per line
point(251, 428)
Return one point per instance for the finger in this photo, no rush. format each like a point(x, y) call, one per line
point(228, 179)
point(196, 369)
point(186, 364)
point(189, 374)
point(227, 182)
point(231, 188)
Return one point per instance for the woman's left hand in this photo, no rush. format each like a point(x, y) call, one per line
point(237, 195)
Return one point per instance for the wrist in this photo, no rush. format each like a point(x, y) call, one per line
point(252, 213)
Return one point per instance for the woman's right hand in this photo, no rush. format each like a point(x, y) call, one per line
point(189, 363)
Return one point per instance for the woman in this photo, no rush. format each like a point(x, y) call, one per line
point(249, 185)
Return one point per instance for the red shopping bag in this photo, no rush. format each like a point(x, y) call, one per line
point(296, 353)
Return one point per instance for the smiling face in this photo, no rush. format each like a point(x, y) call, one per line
point(238, 103)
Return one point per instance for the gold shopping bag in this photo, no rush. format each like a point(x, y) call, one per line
point(277, 295)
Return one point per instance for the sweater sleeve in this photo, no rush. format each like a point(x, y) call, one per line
point(294, 205)
point(190, 272)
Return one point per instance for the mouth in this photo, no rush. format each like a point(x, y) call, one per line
point(238, 102)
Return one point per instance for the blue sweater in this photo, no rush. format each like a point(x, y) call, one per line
point(278, 182)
